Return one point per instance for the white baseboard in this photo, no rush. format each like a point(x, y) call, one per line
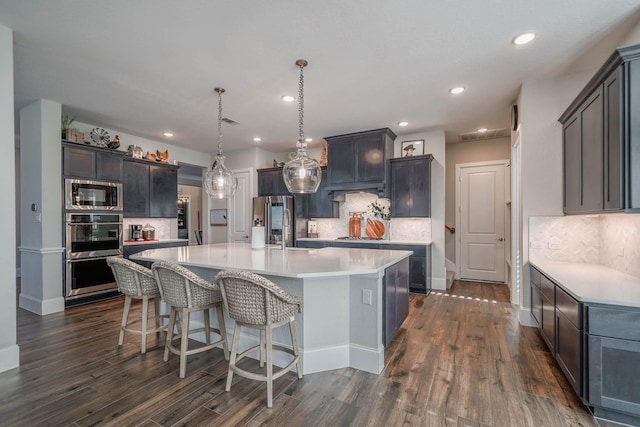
point(366, 359)
point(9, 357)
point(41, 307)
point(526, 319)
point(439, 283)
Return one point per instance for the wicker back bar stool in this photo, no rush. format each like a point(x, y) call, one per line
point(255, 302)
point(187, 292)
point(136, 282)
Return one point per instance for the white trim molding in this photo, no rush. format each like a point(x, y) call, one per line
point(42, 251)
point(9, 357)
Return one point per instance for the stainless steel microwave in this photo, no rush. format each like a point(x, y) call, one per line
point(82, 194)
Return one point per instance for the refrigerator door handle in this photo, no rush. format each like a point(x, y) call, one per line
point(267, 221)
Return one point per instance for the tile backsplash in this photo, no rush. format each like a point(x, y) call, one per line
point(166, 228)
point(404, 229)
point(612, 240)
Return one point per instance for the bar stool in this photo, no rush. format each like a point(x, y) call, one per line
point(136, 282)
point(187, 292)
point(255, 302)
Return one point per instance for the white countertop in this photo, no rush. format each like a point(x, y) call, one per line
point(147, 242)
point(291, 262)
point(593, 283)
point(382, 242)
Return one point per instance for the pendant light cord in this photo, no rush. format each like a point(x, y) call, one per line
point(219, 90)
point(301, 107)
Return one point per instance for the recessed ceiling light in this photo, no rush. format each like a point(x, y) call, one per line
point(308, 139)
point(287, 98)
point(257, 139)
point(523, 38)
point(482, 130)
point(456, 90)
point(168, 134)
point(403, 123)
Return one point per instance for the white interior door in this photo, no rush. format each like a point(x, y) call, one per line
point(239, 208)
point(481, 208)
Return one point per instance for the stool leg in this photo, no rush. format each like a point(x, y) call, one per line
point(294, 344)
point(262, 341)
point(184, 342)
point(223, 332)
point(232, 357)
point(145, 318)
point(172, 323)
point(207, 326)
point(269, 333)
point(125, 316)
point(156, 311)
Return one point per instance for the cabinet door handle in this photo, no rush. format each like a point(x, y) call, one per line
point(500, 239)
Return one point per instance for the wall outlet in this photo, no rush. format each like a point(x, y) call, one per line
point(537, 245)
point(555, 246)
point(621, 252)
point(366, 296)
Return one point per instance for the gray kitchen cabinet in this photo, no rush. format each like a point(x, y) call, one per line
point(271, 183)
point(613, 340)
point(411, 186)
point(319, 204)
point(360, 162)
point(91, 163)
point(396, 299)
point(536, 302)
point(149, 190)
point(601, 139)
point(569, 338)
point(548, 310)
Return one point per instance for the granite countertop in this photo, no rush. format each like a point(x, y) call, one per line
point(146, 242)
point(272, 260)
point(378, 242)
point(593, 283)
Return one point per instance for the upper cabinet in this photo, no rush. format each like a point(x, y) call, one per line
point(271, 183)
point(91, 162)
point(149, 190)
point(359, 161)
point(319, 204)
point(411, 186)
point(601, 139)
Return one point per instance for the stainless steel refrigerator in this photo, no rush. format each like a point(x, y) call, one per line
point(277, 215)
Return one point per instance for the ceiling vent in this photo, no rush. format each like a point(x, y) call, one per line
point(229, 121)
point(489, 134)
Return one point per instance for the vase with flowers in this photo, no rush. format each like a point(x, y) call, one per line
point(378, 224)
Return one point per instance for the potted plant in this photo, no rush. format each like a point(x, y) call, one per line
point(66, 125)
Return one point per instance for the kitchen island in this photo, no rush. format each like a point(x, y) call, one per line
point(354, 299)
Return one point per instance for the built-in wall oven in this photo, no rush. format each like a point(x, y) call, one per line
point(83, 194)
point(90, 239)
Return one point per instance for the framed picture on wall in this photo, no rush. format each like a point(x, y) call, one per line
point(218, 217)
point(412, 148)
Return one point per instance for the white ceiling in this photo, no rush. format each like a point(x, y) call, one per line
point(146, 66)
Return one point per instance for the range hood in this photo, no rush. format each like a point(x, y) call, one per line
point(359, 162)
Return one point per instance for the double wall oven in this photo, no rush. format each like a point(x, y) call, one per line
point(93, 232)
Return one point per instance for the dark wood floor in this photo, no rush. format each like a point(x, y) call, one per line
point(461, 359)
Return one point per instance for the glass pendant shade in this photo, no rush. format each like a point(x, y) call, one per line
point(219, 182)
point(302, 175)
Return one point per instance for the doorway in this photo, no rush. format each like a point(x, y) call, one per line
point(481, 196)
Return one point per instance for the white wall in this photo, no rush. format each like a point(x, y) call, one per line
point(9, 351)
point(435, 145)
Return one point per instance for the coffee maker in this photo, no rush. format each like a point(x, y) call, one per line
point(135, 232)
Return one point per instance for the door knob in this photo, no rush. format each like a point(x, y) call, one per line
point(500, 239)
point(246, 237)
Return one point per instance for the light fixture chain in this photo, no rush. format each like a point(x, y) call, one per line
point(301, 107)
point(219, 123)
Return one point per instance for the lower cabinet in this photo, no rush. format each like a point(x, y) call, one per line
point(396, 299)
point(613, 340)
point(596, 346)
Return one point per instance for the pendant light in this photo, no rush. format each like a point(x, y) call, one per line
point(302, 174)
point(219, 182)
